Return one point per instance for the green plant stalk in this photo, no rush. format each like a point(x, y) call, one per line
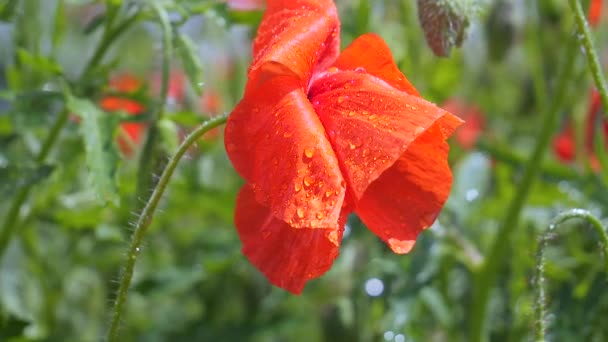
point(145, 218)
point(540, 280)
point(489, 271)
point(10, 223)
point(588, 46)
point(149, 160)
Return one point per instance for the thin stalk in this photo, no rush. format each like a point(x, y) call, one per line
point(145, 218)
point(540, 307)
point(588, 46)
point(149, 161)
point(488, 273)
point(10, 222)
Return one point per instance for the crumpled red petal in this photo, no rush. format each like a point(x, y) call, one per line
point(370, 124)
point(407, 198)
point(287, 256)
point(294, 38)
point(371, 53)
point(277, 143)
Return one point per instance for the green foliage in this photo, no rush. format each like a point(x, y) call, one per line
point(75, 164)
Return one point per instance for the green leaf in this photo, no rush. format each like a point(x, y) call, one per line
point(190, 61)
point(97, 129)
point(471, 180)
point(600, 151)
point(39, 64)
point(7, 8)
point(15, 177)
point(434, 301)
point(60, 24)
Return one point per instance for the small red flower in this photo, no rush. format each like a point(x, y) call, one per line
point(125, 83)
point(469, 132)
point(564, 145)
point(595, 12)
point(319, 134)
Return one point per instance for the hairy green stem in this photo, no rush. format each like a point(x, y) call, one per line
point(488, 273)
point(540, 280)
point(9, 226)
point(588, 47)
point(145, 218)
point(149, 160)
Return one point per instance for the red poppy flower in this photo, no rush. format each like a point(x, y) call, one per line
point(564, 145)
point(319, 135)
point(595, 12)
point(470, 131)
point(132, 131)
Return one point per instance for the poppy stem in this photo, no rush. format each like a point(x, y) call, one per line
point(149, 160)
point(9, 226)
point(589, 50)
point(145, 219)
point(488, 273)
point(540, 306)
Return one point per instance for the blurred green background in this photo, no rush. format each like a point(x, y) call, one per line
point(59, 271)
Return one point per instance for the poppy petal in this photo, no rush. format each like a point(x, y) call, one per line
point(370, 124)
point(277, 143)
point(287, 256)
point(371, 53)
point(294, 38)
point(407, 198)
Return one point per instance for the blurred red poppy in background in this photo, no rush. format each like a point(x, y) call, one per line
point(474, 121)
point(131, 132)
point(564, 145)
point(595, 12)
point(319, 134)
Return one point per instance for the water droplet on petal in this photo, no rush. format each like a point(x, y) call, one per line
point(287, 134)
point(373, 117)
point(300, 212)
point(341, 99)
point(419, 130)
point(332, 69)
point(308, 181)
point(328, 193)
point(319, 215)
point(360, 70)
point(352, 113)
point(401, 246)
point(309, 152)
point(297, 186)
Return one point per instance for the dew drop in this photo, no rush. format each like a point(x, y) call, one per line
point(319, 215)
point(287, 134)
point(360, 70)
point(297, 186)
point(328, 193)
point(309, 152)
point(308, 181)
point(373, 117)
point(419, 130)
point(352, 113)
point(332, 69)
point(341, 99)
point(300, 212)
